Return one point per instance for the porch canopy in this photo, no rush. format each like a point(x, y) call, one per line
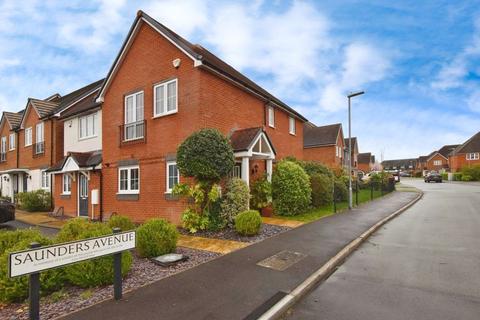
point(81, 162)
point(252, 143)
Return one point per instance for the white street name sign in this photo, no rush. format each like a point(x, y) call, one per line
point(43, 258)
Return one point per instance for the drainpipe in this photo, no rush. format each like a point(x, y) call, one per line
point(100, 196)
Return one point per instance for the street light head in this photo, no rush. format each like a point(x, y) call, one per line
point(354, 94)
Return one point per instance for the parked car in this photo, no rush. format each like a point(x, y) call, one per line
point(405, 174)
point(433, 176)
point(7, 211)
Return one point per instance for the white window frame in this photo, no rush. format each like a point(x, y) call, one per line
point(28, 133)
point(93, 118)
point(292, 126)
point(437, 162)
point(167, 175)
point(165, 98)
point(473, 156)
point(45, 179)
point(136, 122)
point(66, 182)
point(3, 146)
point(129, 179)
point(11, 142)
point(39, 128)
point(271, 117)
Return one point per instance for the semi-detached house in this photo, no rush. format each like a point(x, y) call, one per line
point(112, 150)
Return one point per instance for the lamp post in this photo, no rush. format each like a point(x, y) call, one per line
point(350, 96)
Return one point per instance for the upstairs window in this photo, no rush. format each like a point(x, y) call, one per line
point(129, 179)
point(87, 126)
point(291, 125)
point(271, 117)
point(173, 175)
point(39, 138)
point(28, 137)
point(165, 98)
point(134, 125)
point(473, 156)
point(11, 142)
point(3, 149)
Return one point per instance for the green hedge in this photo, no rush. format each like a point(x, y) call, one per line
point(472, 172)
point(248, 223)
point(322, 189)
point(235, 200)
point(291, 191)
point(156, 237)
point(38, 200)
point(122, 222)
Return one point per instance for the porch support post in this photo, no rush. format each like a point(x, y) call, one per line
point(246, 170)
point(269, 169)
point(12, 192)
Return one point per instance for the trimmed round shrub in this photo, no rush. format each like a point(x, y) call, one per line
point(248, 223)
point(94, 272)
point(205, 155)
point(291, 191)
point(322, 189)
point(261, 190)
point(38, 200)
point(156, 237)
point(235, 200)
point(122, 222)
point(341, 190)
point(16, 289)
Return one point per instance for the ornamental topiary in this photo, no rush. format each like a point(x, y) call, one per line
point(235, 200)
point(16, 289)
point(156, 237)
point(291, 191)
point(248, 223)
point(93, 272)
point(206, 155)
point(322, 189)
point(122, 222)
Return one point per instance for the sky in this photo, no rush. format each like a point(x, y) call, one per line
point(417, 61)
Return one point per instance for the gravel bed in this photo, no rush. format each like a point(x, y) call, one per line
point(266, 231)
point(142, 272)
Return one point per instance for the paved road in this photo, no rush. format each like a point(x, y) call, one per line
point(13, 225)
point(425, 264)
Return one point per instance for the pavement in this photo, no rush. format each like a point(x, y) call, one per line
point(233, 286)
point(425, 264)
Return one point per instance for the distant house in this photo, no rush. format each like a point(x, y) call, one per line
point(366, 161)
point(421, 163)
point(353, 153)
point(400, 164)
point(439, 160)
point(324, 144)
point(466, 154)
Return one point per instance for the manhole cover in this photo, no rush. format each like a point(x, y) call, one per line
point(282, 260)
point(169, 259)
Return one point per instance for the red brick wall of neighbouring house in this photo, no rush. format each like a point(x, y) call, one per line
point(365, 167)
point(458, 161)
point(203, 101)
point(326, 154)
point(431, 166)
point(11, 156)
point(70, 202)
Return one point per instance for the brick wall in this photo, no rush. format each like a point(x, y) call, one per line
point(458, 161)
point(11, 155)
point(431, 166)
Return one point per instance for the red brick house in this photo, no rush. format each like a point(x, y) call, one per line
point(366, 162)
point(324, 144)
point(466, 154)
point(439, 160)
point(159, 90)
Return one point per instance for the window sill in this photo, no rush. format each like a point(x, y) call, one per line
point(88, 138)
point(128, 196)
point(273, 127)
point(292, 134)
point(65, 194)
point(133, 139)
point(164, 114)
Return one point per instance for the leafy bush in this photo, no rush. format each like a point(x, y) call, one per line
point(235, 200)
point(291, 191)
point(261, 190)
point(322, 189)
point(467, 177)
point(418, 174)
point(473, 172)
point(122, 222)
point(341, 190)
point(444, 176)
point(193, 222)
point(205, 155)
point(156, 237)
point(16, 289)
point(248, 223)
point(38, 200)
point(92, 272)
point(457, 176)
point(312, 168)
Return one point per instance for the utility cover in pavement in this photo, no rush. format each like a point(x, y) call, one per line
point(282, 260)
point(169, 259)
